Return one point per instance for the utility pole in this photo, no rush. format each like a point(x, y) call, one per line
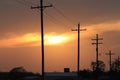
point(118, 63)
point(97, 48)
point(78, 59)
point(41, 7)
point(110, 58)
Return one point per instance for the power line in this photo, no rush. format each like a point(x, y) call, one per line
point(51, 18)
point(28, 3)
point(62, 14)
point(65, 17)
point(25, 3)
point(54, 20)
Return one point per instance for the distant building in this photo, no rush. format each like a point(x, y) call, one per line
point(66, 69)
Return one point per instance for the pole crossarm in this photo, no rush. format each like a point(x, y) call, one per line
point(110, 53)
point(77, 29)
point(97, 40)
point(37, 7)
point(97, 43)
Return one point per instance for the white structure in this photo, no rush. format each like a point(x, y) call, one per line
point(60, 76)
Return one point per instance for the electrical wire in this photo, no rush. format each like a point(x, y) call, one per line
point(51, 18)
point(25, 3)
point(54, 20)
point(61, 13)
point(65, 17)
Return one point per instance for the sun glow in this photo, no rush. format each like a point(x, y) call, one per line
point(52, 40)
point(33, 39)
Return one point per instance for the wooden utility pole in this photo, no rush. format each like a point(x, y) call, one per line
point(78, 59)
point(97, 49)
point(110, 58)
point(41, 7)
point(118, 63)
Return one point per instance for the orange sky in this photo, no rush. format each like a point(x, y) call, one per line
point(20, 33)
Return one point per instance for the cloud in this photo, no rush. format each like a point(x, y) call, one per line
point(91, 11)
point(13, 41)
point(103, 27)
point(34, 39)
point(21, 19)
point(112, 38)
point(111, 41)
point(17, 18)
point(18, 23)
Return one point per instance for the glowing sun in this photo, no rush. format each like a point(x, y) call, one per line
point(52, 40)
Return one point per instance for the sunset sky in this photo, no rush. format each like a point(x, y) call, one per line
point(20, 33)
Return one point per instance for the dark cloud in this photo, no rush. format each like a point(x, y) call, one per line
point(90, 11)
point(17, 16)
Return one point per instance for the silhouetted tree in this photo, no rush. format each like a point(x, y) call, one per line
point(18, 69)
point(93, 65)
point(18, 73)
point(101, 65)
point(115, 66)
